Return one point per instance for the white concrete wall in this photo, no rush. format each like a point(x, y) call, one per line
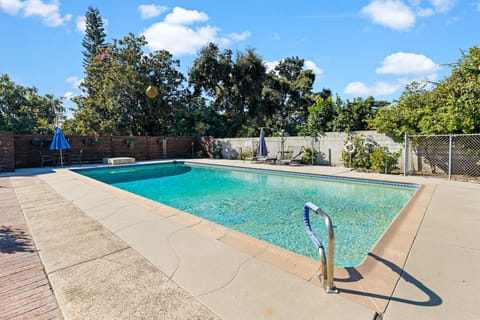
point(329, 145)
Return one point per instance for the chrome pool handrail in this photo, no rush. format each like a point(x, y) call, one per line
point(326, 263)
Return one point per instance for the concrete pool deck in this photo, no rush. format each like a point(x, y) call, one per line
point(109, 254)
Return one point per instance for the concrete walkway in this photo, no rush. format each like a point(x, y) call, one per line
point(109, 254)
point(441, 279)
point(93, 273)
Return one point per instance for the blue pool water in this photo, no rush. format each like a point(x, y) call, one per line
point(269, 205)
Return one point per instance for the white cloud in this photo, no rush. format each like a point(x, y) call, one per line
point(178, 39)
point(407, 63)
point(80, 23)
point(176, 34)
point(239, 36)
point(395, 14)
point(11, 6)
point(413, 67)
point(148, 11)
point(308, 64)
point(74, 81)
point(312, 66)
point(392, 14)
point(183, 16)
point(378, 89)
point(443, 6)
point(270, 65)
point(68, 95)
point(49, 12)
point(426, 12)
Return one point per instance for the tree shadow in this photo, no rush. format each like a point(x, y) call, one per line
point(13, 240)
point(432, 298)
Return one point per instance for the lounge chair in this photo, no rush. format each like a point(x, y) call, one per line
point(266, 159)
point(270, 158)
point(297, 159)
point(75, 157)
point(47, 159)
point(285, 156)
point(257, 159)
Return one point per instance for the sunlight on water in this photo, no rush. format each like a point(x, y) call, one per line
point(270, 206)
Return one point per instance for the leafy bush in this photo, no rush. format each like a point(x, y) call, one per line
point(367, 154)
point(244, 154)
point(381, 157)
point(360, 156)
point(309, 154)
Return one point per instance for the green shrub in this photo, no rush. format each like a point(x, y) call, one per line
point(381, 157)
point(309, 154)
point(360, 157)
point(367, 154)
point(245, 154)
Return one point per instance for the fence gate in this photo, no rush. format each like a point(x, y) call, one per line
point(449, 155)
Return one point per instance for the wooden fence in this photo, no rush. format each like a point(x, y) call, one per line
point(24, 150)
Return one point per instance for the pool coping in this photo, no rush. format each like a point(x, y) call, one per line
point(370, 284)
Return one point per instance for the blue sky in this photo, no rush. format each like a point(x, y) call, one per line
point(356, 48)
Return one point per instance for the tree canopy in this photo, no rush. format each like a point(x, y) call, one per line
point(328, 114)
point(23, 110)
point(451, 106)
point(232, 87)
point(288, 94)
point(94, 39)
point(114, 100)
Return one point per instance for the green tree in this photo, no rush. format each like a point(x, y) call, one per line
point(231, 88)
point(94, 39)
point(211, 79)
point(321, 114)
point(454, 104)
point(249, 78)
point(405, 115)
point(353, 115)
point(23, 110)
point(114, 100)
point(197, 119)
point(287, 95)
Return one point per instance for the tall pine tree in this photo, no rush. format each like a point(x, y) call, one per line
point(94, 39)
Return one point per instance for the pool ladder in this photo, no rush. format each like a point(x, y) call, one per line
point(326, 263)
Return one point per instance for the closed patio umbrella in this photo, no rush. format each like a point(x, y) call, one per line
point(262, 146)
point(59, 142)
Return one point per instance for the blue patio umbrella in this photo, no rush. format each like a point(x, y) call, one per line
point(262, 146)
point(59, 142)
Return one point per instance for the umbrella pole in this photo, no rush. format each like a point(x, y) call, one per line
point(61, 158)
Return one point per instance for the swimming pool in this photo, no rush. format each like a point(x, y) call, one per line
point(268, 205)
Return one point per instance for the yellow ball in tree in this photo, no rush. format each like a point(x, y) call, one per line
point(151, 91)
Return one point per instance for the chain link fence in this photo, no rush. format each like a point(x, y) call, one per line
point(456, 156)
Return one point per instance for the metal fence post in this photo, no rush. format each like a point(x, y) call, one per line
point(405, 156)
point(450, 157)
point(386, 161)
